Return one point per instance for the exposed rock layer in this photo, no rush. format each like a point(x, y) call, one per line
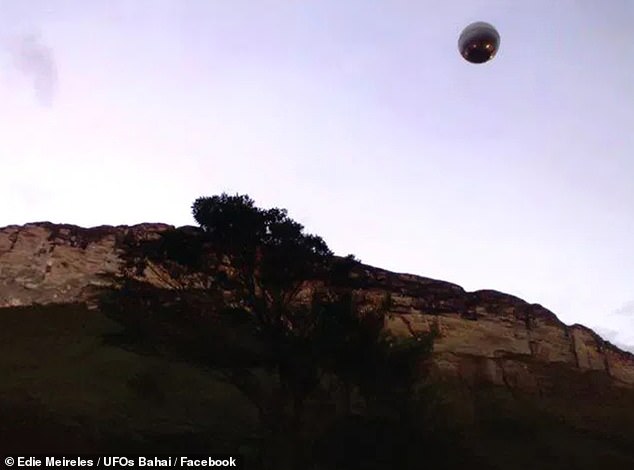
point(484, 335)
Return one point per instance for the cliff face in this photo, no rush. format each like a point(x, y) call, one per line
point(47, 263)
point(484, 336)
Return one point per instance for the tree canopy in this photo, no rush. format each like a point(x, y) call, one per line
point(239, 276)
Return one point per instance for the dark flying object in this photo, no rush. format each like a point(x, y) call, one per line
point(479, 42)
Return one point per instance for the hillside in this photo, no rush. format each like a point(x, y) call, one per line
point(523, 388)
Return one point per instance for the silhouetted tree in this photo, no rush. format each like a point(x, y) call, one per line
point(239, 276)
point(357, 347)
point(251, 264)
point(385, 370)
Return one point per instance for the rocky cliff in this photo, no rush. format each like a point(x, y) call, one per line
point(484, 336)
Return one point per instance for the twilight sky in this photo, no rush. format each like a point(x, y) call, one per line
point(358, 116)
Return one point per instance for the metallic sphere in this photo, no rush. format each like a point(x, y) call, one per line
point(479, 42)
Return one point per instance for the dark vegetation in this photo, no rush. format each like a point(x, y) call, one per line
point(304, 366)
point(256, 346)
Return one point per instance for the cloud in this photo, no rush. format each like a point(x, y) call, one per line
point(619, 327)
point(613, 337)
point(625, 310)
point(35, 61)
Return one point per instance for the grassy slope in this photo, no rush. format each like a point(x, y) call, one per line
point(63, 389)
